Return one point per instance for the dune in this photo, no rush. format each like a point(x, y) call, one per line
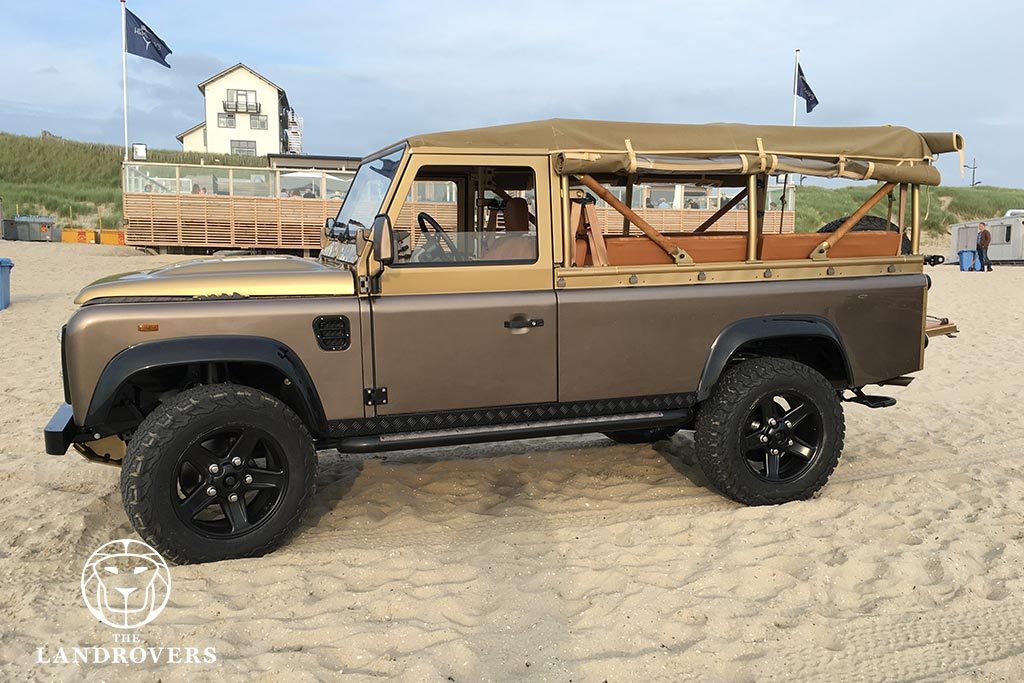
point(567, 559)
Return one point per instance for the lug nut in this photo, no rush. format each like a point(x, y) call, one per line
point(789, 424)
point(771, 421)
point(233, 498)
point(764, 439)
point(790, 442)
point(236, 461)
point(248, 477)
point(214, 469)
point(211, 491)
point(775, 451)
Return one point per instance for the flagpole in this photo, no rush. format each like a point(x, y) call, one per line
point(796, 71)
point(785, 178)
point(124, 73)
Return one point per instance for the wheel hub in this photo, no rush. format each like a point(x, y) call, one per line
point(229, 477)
point(229, 481)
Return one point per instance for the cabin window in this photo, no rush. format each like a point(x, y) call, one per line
point(480, 216)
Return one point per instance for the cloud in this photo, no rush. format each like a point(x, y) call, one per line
point(364, 75)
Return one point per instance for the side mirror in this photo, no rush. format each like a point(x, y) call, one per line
point(334, 230)
point(383, 240)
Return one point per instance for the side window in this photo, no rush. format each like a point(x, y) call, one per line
point(1009, 234)
point(468, 215)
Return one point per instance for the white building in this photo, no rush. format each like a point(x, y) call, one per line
point(245, 114)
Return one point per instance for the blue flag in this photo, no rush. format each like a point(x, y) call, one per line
point(142, 41)
point(804, 90)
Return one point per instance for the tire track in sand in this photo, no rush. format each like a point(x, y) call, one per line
point(910, 647)
point(531, 519)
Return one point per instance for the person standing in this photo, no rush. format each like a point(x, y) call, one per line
point(984, 239)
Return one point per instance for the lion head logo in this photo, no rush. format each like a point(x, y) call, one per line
point(126, 583)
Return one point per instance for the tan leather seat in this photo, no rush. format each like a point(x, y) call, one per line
point(517, 244)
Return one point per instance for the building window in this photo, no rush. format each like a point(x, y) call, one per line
point(242, 96)
point(225, 120)
point(244, 147)
point(258, 122)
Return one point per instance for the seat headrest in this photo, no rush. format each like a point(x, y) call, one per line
point(517, 215)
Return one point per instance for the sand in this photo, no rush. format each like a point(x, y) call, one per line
point(569, 559)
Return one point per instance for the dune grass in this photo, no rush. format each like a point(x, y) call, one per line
point(940, 206)
point(78, 183)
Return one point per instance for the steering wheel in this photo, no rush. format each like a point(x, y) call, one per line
point(436, 235)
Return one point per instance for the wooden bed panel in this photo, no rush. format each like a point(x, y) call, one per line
point(854, 244)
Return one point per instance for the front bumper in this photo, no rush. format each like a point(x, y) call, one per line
point(60, 431)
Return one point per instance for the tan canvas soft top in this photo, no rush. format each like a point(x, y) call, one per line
point(885, 153)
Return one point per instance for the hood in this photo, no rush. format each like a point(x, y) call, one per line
point(225, 277)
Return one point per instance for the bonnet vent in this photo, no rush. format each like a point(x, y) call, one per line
point(332, 332)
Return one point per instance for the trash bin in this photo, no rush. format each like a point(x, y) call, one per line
point(967, 258)
point(10, 229)
point(5, 282)
point(35, 228)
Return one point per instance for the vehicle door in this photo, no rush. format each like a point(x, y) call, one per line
point(465, 316)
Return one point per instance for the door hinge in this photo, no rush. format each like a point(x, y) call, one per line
point(375, 396)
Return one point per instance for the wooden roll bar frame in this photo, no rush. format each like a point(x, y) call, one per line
point(820, 252)
point(756, 192)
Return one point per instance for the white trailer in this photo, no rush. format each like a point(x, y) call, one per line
point(1007, 238)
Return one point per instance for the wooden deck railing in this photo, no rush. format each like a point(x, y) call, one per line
point(211, 221)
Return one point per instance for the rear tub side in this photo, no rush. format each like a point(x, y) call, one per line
point(97, 334)
point(617, 342)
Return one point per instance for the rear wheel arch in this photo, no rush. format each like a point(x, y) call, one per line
point(139, 377)
point(811, 340)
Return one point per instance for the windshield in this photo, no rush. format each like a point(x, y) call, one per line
point(365, 196)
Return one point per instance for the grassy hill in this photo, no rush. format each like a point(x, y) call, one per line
point(79, 183)
point(940, 206)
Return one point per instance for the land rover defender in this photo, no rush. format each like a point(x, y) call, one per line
point(505, 283)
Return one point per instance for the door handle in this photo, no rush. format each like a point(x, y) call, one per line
point(524, 324)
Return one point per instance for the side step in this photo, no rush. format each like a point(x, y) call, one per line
point(509, 432)
point(870, 401)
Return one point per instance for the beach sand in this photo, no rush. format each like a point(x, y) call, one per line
point(569, 559)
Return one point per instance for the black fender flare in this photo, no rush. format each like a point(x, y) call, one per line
point(747, 330)
point(206, 349)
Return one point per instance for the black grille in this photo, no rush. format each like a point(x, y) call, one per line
point(332, 332)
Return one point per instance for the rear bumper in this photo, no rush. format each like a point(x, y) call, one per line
point(60, 431)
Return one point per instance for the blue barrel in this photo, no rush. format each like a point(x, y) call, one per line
point(967, 257)
point(5, 282)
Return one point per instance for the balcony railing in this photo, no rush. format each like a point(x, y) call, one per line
point(242, 107)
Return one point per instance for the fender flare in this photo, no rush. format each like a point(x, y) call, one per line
point(747, 330)
point(211, 349)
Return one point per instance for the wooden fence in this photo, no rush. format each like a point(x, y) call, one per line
point(226, 222)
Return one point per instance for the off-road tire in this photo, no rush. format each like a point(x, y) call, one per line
point(642, 436)
point(721, 421)
point(148, 471)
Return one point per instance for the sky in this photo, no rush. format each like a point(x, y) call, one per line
point(365, 74)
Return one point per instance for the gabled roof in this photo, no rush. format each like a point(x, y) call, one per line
point(194, 128)
point(211, 79)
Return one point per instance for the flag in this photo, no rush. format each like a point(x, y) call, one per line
point(804, 90)
point(142, 41)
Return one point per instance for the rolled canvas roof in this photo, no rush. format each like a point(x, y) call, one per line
point(887, 153)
